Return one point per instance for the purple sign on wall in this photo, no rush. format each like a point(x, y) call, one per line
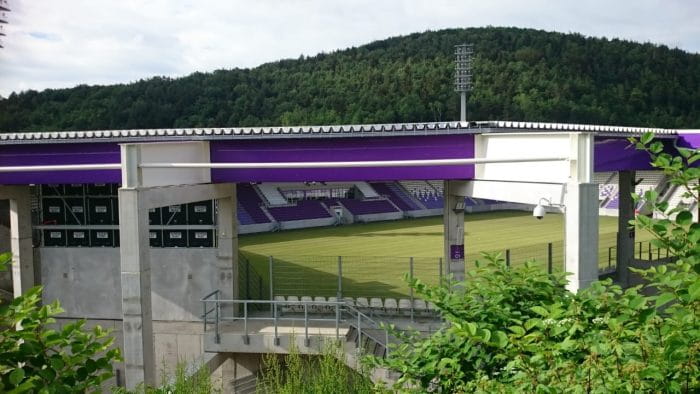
point(457, 252)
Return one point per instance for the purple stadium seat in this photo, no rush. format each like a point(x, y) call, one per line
point(394, 193)
point(249, 199)
point(305, 209)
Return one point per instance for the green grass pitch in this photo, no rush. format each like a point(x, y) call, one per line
point(375, 256)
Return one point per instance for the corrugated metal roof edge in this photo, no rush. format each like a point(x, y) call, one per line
point(211, 133)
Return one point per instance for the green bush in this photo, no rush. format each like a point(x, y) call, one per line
point(36, 358)
point(518, 330)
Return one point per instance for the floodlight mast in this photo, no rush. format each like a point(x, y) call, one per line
point(463, 75)
point(3, 18)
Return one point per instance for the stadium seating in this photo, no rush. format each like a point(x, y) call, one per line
point(365, 207)
point(302, 210)
point(243, 216)
point(249, 199)
point(374, 306)
point(394, 192)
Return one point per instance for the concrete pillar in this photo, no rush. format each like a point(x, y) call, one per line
point(581, 215)
point(20, 237)
point(625, 233)
point(139, 350)
point(453, 221)
point(227, 248)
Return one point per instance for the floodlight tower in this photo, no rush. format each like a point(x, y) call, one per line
point(3, 18)
point(463, 75)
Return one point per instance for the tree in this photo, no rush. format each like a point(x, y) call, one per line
point(518, 330)
point(34, 357)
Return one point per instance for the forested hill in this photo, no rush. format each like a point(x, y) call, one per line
point(520, 74)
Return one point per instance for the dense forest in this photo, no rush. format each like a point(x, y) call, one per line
point(520, 74)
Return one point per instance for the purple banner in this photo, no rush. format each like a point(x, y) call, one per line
point(53, 154)
point(343, 149)
point(617, 154)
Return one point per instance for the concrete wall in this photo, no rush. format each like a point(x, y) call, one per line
point(175, 342)
point(87, 281)
point(255, 228)
point(377, 217)
point(424, 213)
point(294, 224)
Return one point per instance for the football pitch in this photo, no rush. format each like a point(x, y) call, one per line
point(375, 256)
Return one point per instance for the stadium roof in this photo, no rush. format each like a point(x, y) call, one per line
point(358, 130)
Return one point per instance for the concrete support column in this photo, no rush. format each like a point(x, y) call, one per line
point(581, 214)
point(21, 240)
point(139, 350)
point(581, 234)
point(625, 233)
point(453, 220)
point(227, 247)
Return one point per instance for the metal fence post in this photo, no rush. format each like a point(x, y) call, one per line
point(410, 270)
point(339, 296)
point(549, 258)
point(274, 309)
point(640, 250)
point(306, 325)
point(272, 297)
point(204, 314)
point(247, 281)
point(359, 332)
point(609, 257)
point(386, 343)
point(507, 257)
point(440, 270)
point(337, 320)
point(217, 337)
point(245, 322)
point(651, 254)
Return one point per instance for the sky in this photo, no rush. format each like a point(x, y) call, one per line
point(56, 44)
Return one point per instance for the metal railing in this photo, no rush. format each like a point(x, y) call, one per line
point(382, 276)
point(344, 316)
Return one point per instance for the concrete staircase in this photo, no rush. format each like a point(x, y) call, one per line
point(246, 385)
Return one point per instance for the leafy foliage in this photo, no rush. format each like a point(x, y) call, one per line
point(36, 358)
point(520, 74)
point(518, 330)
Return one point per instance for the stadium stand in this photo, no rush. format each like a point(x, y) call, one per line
point(243, 216)
point(417, 197)
point(249, 199)
point(432, 201)
point(614, 202)
point(364, 207)
point(394, 192)
point(305, 209)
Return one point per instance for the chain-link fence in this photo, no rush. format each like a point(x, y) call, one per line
point(385, 276)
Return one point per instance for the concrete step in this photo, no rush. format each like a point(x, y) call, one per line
point(246, 385)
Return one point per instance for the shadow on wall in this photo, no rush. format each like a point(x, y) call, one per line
point(5, 276)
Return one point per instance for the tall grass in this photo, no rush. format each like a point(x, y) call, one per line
point(324, 374)
point(196, 383)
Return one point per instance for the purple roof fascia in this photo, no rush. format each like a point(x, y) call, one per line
point(55, 154)
point(689, 140)
point(343, 149)
point(618, 154)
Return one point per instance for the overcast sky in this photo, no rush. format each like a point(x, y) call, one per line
point(54, 43)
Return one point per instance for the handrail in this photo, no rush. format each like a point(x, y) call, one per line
point(341, 307)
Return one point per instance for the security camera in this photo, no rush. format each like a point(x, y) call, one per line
point(538, 212)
